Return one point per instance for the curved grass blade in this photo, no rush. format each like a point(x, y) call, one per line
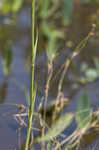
point(83, 110)
point(57, 128)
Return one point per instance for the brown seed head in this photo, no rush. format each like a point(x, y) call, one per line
point(21, 107)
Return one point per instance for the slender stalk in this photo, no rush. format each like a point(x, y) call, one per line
point(32, 88)
point(50, 73)
point(76, 52)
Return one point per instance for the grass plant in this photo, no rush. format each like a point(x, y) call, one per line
point(32, 84)
point(33, 88)
point(85, 118)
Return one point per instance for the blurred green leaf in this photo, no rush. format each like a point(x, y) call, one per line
point(7, 58)
point(83, 110)
point(51, 49)
point(58, 127)
point(96, 61)
point(16, 5)
point(47, 29)
point(67, 10)
point(84, 67)
point(91, 75)
point(10, 5)
point(3, 91)
point(5, 6)
point(52, 35)
point(44, 8)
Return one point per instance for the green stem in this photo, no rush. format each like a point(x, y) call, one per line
point(32, 97)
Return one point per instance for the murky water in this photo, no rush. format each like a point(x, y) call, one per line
point(10, 89)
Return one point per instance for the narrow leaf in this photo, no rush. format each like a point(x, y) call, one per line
point(7, 58)
point(57, 128)
point(67, 10)
point(16, 4)
point(83, 110)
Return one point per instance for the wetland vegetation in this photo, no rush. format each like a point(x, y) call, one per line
point(49, 74)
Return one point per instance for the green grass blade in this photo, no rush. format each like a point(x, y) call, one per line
point(83, 110)
point(57, 128)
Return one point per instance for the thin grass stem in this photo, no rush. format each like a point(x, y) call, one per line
point(32, 88)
